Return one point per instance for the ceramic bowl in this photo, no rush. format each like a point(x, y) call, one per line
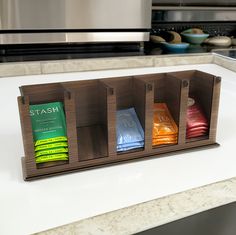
point(194, 38)
point(175, 47)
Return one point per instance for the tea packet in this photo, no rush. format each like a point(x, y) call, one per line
point(165, 130)
point(49, 131)
point(50, 140)
point(52, 158)
point(51, 151)
point(48, 123)
point(197, 124)
point(129, 132)
point(51, 146)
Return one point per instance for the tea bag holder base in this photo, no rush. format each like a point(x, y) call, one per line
point(181, 151)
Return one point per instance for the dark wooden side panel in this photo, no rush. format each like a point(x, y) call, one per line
point(27, 134)
point(215, 108)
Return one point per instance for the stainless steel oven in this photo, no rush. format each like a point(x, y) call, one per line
point(194, 10)
point(79, 21)
point(215, 3)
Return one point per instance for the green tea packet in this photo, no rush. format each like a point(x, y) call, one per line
point(52, 158)
point(51, 146)
point(51, 151)
point(48, 123)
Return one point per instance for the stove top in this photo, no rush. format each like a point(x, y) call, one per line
point(63, 52)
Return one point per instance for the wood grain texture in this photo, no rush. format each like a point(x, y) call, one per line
point(90, 109)
point(70, 113)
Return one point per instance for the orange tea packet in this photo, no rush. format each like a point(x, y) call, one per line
point(164, 128)
point(166, 138)
point(172, 139)
point(156, 135)
point(155, 143)
point(163, 121)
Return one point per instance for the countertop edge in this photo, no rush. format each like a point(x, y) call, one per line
point(98, 64)
point(153, 213)
point(14, 69)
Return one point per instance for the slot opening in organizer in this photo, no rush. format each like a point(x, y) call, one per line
point(44, 125)
point(165, 109)
point(199, 106)
point(130, 114)
point(91, 98)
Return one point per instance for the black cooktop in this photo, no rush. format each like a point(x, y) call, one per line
point(20, 53)
point(74, 51)
point(216, 221)
point(227, 53)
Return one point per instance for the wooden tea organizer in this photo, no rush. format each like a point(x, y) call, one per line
point(90, 109)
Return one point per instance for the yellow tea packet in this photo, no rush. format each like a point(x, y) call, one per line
point(52, 158)
point(51, 140)
point(51, 146)
point(51, 151)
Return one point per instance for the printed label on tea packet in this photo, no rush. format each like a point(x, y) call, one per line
point(49, 132)
point(48, 122)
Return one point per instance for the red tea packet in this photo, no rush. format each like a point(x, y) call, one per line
point(197, 124)
point(195, 117)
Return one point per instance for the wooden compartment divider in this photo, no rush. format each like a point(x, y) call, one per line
point(69, 103)
point(110, 117)
point(146, 100)
point(90, 109)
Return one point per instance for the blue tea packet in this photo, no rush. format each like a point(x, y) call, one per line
point(125, 147)
point(129, 132)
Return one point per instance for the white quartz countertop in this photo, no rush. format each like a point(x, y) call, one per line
point(30, 207)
